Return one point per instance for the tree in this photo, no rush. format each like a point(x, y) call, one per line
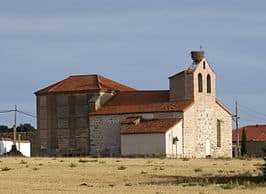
point(26, 127)
point(244, 142)
point(3, 128)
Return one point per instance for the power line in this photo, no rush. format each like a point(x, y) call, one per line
point(19, 111)
point(256, 116)
point(6, 111)
point(28, 114)
point(252, 110)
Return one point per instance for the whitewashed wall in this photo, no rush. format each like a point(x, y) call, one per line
point(151, 144)
point(174, 150)
point(23, 147)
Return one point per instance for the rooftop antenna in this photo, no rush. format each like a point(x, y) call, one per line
point(201, 48)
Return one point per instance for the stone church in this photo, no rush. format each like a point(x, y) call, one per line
point(93, 115)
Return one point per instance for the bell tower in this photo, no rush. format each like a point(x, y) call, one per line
point(196, 82)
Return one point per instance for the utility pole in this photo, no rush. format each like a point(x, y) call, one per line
point(237, 130)
point(15, 127)
point(14, 151)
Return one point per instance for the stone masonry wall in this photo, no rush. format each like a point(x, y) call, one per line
point(200, 120)
point(226, 133)
point(105, 131)
point(189, 129)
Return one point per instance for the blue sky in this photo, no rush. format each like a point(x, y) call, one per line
point(138, 43)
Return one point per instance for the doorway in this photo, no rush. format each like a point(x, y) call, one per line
point(208, 149)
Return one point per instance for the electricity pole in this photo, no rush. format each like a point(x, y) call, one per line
point(15, 127)
point(14, 151)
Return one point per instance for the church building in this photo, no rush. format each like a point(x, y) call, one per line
point(93, 115)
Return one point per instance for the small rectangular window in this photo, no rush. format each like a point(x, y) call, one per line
point(218, 133)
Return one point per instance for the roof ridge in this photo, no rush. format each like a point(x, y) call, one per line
point(253, 125)
point(144, 91)
point(105, 79)
point(83, 75)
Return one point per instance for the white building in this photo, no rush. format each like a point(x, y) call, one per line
point(159, 137)
point(22, 146)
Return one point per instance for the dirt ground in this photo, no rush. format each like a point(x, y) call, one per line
point(125, 175)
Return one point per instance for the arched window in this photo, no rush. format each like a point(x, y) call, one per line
point(200, 82)
point(208, 83)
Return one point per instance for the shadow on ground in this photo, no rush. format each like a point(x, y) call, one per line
point(203, 180)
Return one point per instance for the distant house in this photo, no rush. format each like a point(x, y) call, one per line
point(23, 146)
point(256, 139)
point(28, 137)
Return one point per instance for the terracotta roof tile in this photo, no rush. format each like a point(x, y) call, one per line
point(151, 126)
point(254, 133)
point(84, 83)
point(131, 120)
point(141, 101)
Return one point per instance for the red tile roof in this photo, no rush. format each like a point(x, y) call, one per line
point(151, 126)
point(131, 120)
point(254, 133)
point(84, 83)
point(140, 102)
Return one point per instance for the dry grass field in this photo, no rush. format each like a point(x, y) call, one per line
point(125, 175)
